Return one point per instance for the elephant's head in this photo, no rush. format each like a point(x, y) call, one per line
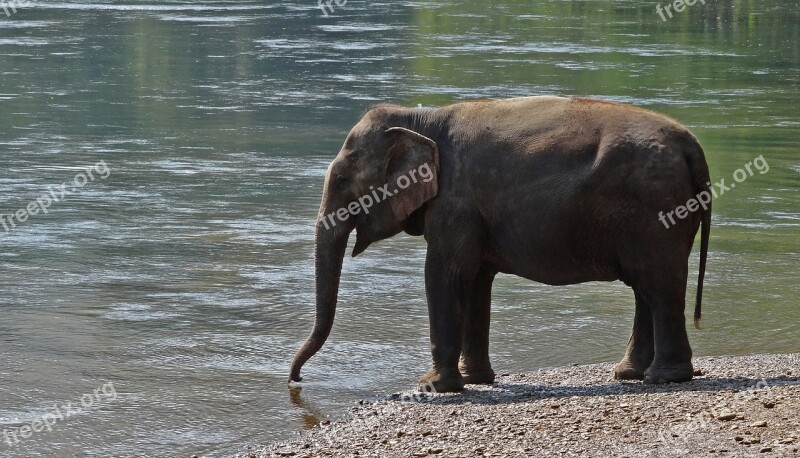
point(383, 174)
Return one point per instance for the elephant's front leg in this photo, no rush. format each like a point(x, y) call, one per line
point(475, 366)
point(447, 284)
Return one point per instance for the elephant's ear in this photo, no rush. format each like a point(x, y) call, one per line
point(412, 168)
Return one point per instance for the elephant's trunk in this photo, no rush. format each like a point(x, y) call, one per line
point(330, 246)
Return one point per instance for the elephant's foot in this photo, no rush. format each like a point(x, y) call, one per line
point(630, 370)
point(656, 374)
point(441, 381)
point(476, 373)
point(484, 377)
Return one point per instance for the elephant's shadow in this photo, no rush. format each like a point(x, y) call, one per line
point(508, 391)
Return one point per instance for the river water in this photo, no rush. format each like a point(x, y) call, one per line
point(193, 137)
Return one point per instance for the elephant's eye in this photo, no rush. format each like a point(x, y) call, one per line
point(342, 180)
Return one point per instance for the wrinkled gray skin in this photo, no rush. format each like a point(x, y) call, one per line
point(556, 190)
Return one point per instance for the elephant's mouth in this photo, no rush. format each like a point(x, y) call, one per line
point(363, 239)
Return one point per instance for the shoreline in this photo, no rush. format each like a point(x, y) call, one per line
point(738, 406)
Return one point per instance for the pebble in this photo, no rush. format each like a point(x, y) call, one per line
point(559, 411)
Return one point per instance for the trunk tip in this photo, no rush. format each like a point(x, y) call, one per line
point(294, 376)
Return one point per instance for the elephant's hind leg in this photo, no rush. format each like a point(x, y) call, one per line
point(474, 366)
point(665, 295)
point(641, 349)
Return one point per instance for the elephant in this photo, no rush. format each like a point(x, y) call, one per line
point(552, 189)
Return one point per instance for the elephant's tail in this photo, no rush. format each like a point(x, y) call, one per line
point(702, 182)
point(704, 231)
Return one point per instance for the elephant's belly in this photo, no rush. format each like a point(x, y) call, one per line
point(554, 263)
point(557, 277)
point(568, 277)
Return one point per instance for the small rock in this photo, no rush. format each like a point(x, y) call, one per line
point(759, 424)
point(765, 450)
point(769, 404)
point(738, 438)
point(726, 416)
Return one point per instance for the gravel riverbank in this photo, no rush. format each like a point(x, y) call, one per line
point(738, 406)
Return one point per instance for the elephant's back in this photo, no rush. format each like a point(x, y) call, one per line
point(583, 185)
